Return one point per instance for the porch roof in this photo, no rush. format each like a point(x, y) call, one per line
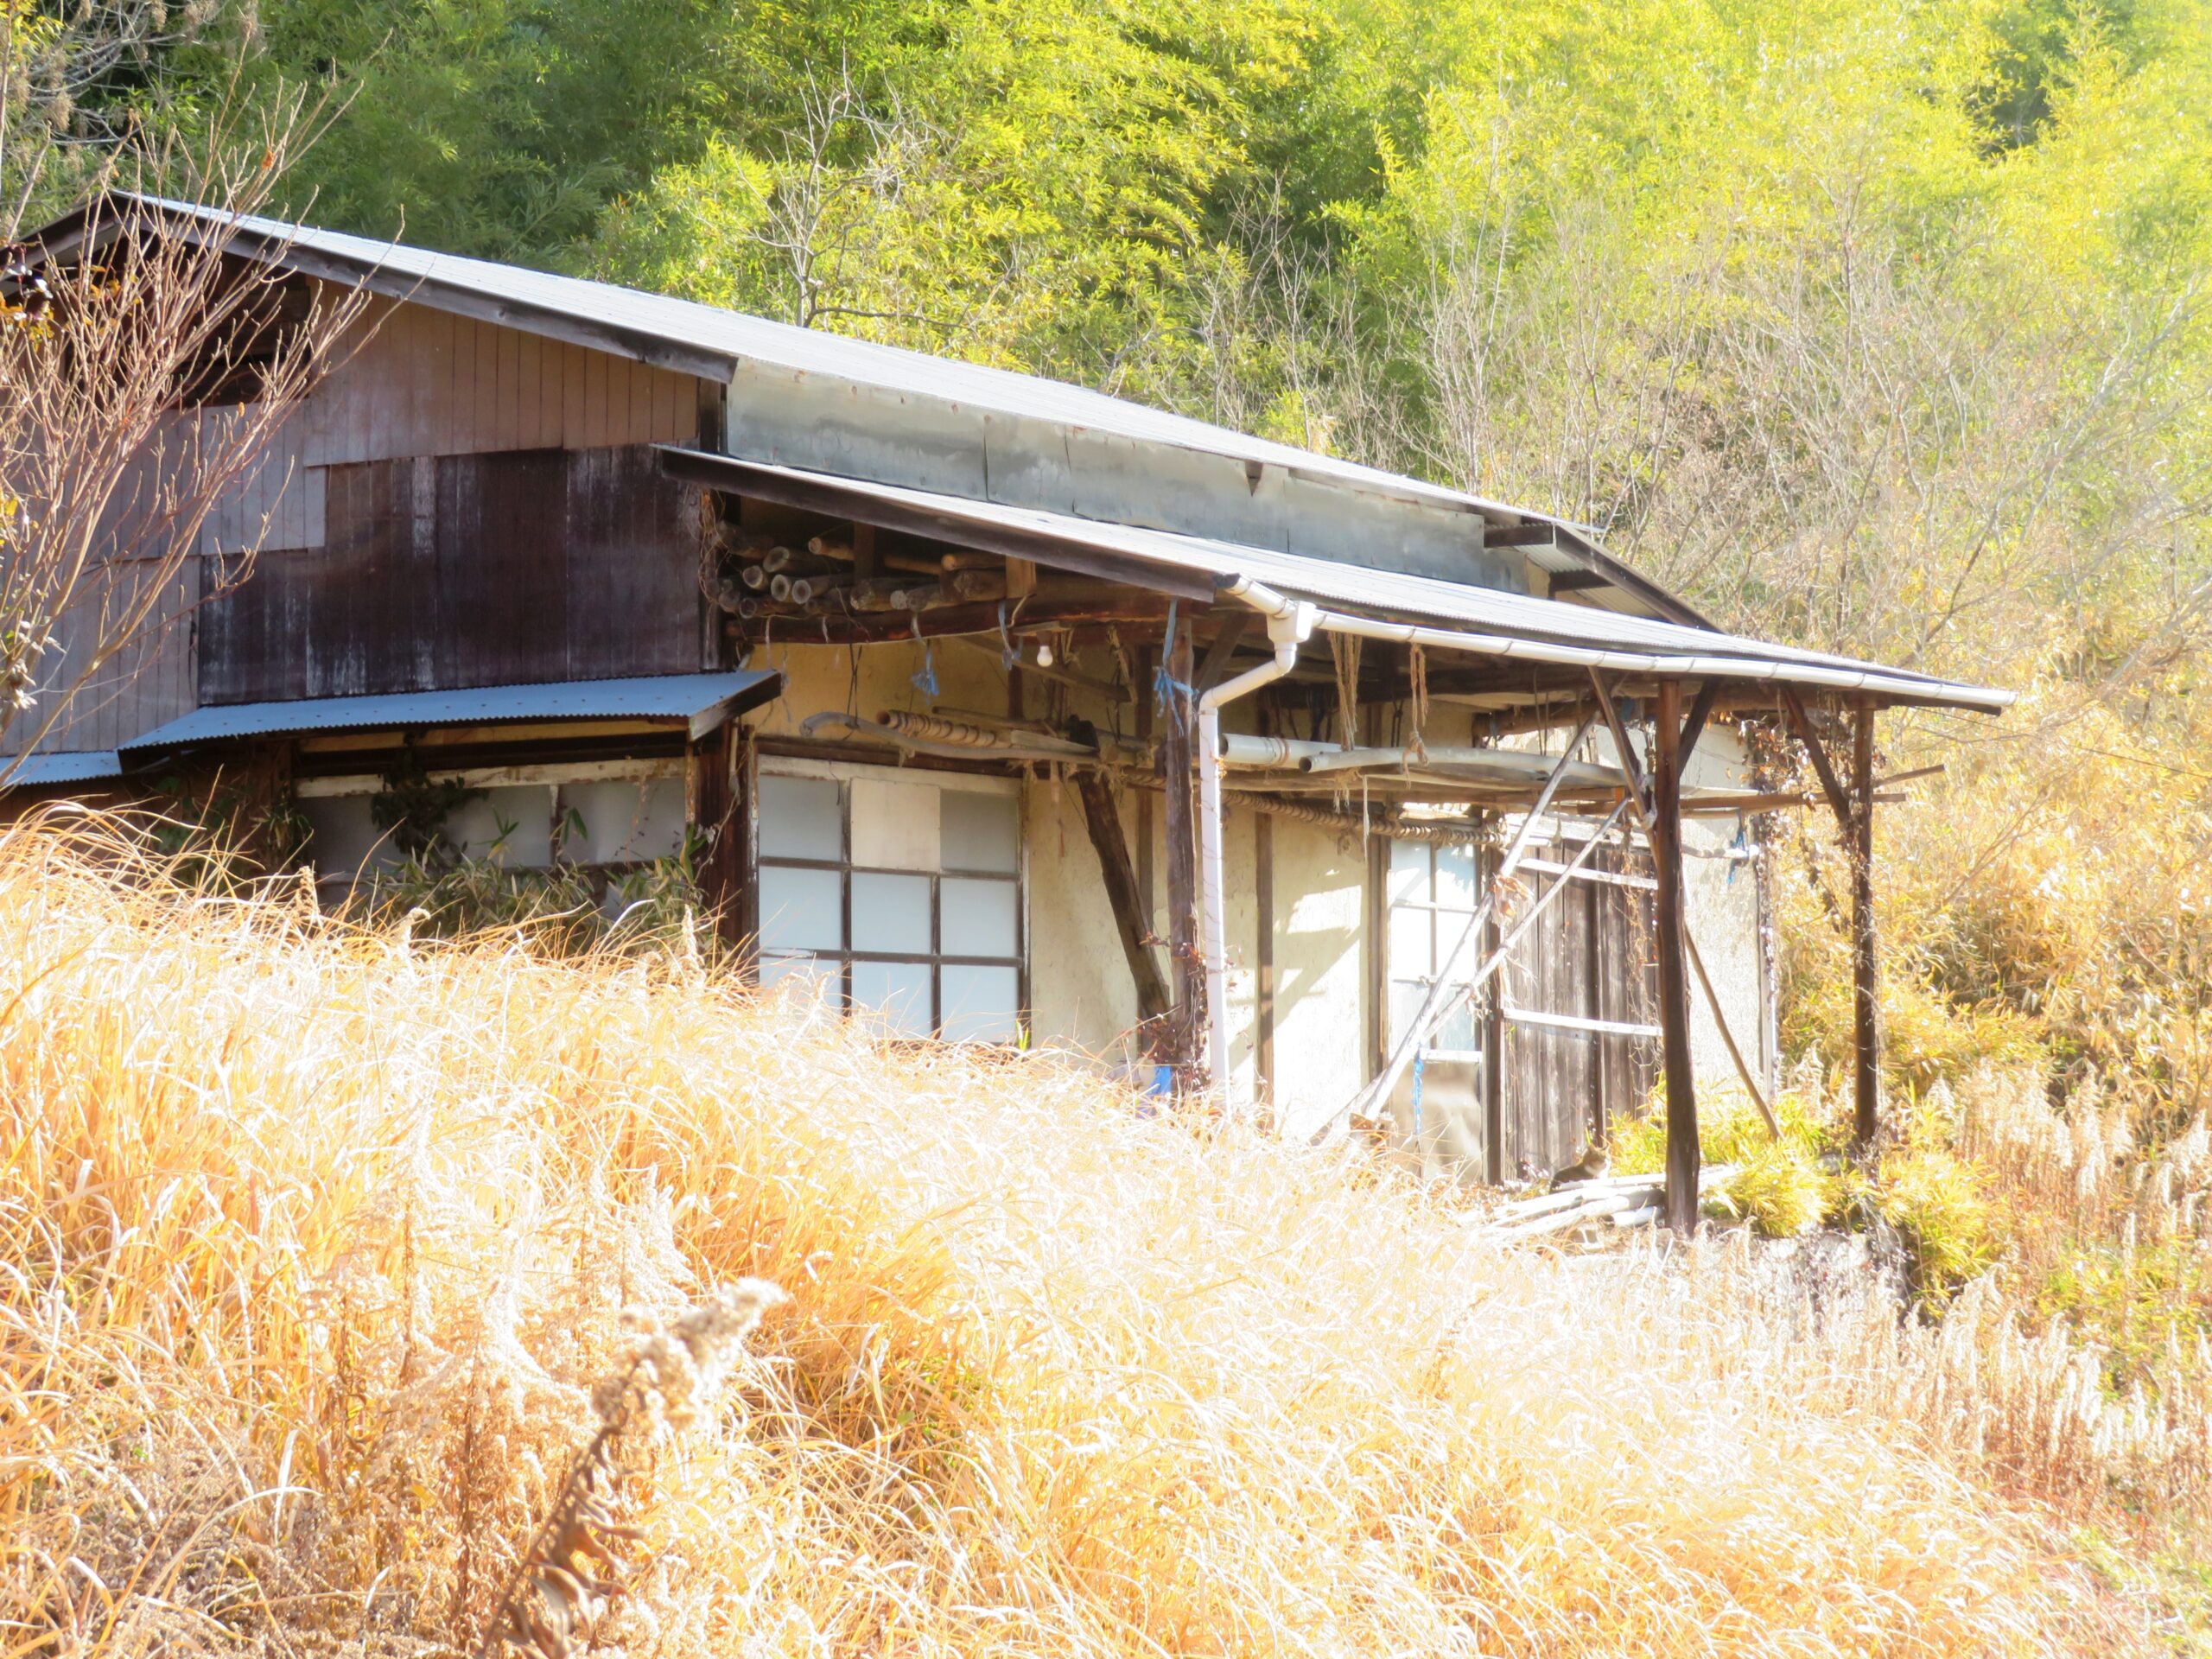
point(1449, 615)
point(54, 766)
point(699, 702)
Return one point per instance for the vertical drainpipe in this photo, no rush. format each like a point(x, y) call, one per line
point(1290, 623)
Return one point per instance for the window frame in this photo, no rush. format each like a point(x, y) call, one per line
point(1433, 912)
point(846, 955)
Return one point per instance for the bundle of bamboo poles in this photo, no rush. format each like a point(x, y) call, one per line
point(1623, 1201)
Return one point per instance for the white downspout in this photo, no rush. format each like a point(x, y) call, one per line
point(1290, 625)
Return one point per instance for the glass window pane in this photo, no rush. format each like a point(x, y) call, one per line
point(981, 1005)
point(1455, 877)
point(823, 977)
point(1410, 958)
point(1408, 872)
point(1456, 953)
point(896, 994)
point(894, 824)
point(891, 913)
point(982, 832)
point(801, 909)
point(622, 821)
point(1458, 1029)
point(978, 919)
point(344, 837)
point(1405, 996)
point(801, 817)
point(512, 827)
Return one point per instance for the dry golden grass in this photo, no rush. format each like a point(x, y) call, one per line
point(311, 1249)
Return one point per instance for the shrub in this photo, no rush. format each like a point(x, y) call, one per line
point(1938, 1201)
point(1779, 1188)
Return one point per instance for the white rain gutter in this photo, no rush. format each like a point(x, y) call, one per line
point(1290, 625)
point(1698, 666)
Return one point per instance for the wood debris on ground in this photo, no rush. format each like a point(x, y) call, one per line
point(1614, 1202)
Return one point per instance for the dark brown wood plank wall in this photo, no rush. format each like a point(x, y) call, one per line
point(1627, 979)
point(460, 571)
point(465, 504)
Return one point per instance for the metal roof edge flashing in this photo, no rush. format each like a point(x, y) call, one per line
point(699, 702)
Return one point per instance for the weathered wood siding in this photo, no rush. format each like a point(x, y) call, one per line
point(1587, 957)
point(462, 504)
point(457, 570)
point(148, 681)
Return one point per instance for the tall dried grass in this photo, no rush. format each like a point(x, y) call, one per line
point(312, 1247)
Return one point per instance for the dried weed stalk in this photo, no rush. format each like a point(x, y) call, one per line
point(571, 1570)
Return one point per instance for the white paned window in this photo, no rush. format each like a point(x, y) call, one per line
point(1432, 895)
point(903, 894)
point(590, 821)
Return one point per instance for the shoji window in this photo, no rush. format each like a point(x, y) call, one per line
point(902, 895)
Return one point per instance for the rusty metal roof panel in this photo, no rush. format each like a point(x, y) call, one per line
point(700, 701)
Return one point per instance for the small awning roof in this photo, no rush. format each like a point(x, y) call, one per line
point(698, 701)
point(1487, 621)
point(62, 767)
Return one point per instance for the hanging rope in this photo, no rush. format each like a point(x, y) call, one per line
point(1417, 670)
point(1343, 649)
point(924, 681)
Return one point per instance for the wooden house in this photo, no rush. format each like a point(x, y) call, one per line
point(999, 709)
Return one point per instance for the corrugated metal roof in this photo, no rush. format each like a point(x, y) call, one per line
point(702, 700)
point(64, 767)
point(712, 342)
point(1386, 594)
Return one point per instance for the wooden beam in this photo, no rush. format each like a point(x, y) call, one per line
point(1831, 785)
point(1215, 668)
point(1103, 821)
point(1865, 1009)
point(1694, 727)
point(1532, 535)
point(785, 625)
point(1624, 749)
point(1179, 781)
point(1666, 836)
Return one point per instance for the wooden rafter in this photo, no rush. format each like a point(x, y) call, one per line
point(1831, 785)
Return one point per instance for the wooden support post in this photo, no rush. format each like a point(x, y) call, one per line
point(1143, 693)
point(1180, 782)
point(1666, 836)
point(1495, 1059)
point(722, 813)
point(1101, 818)
point(1866, 1010)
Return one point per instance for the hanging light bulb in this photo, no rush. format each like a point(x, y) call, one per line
point(1043, 653)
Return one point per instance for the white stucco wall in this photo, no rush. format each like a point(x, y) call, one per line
point(1081, 996)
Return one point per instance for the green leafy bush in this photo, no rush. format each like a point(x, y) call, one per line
point(1940, 1202)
